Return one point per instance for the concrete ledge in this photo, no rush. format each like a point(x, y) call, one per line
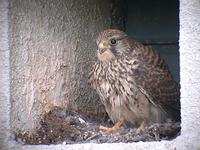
point(179, 143)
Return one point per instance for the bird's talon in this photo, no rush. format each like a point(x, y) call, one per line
point(116, 127)
point(141, 127)
point(106, 129)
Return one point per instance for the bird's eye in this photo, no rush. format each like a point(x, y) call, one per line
point(113, 41)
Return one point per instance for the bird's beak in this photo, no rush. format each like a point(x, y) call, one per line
point(102, 47)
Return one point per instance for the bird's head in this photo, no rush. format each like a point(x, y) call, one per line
point(112, 44)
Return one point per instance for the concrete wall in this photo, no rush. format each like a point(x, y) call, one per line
point(190, 69)
point(4, 76)
point(190, 89)
point(52, 46)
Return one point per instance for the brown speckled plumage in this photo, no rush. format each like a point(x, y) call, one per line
point(133, 81)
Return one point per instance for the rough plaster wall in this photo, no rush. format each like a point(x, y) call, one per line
point(190, 68)
point(4, 75)
point(52, 48)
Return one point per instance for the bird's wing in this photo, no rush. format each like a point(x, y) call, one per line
point(154, 79)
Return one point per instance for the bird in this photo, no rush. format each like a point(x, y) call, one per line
point(133, 82)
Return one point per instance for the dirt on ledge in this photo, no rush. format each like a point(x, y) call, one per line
point(63, 127)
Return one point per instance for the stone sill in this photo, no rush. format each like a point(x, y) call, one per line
point(180, 142)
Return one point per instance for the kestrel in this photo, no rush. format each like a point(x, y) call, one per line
point(133, 82)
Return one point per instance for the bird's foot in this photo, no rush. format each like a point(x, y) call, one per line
point(116, 127)
point(141, 127)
